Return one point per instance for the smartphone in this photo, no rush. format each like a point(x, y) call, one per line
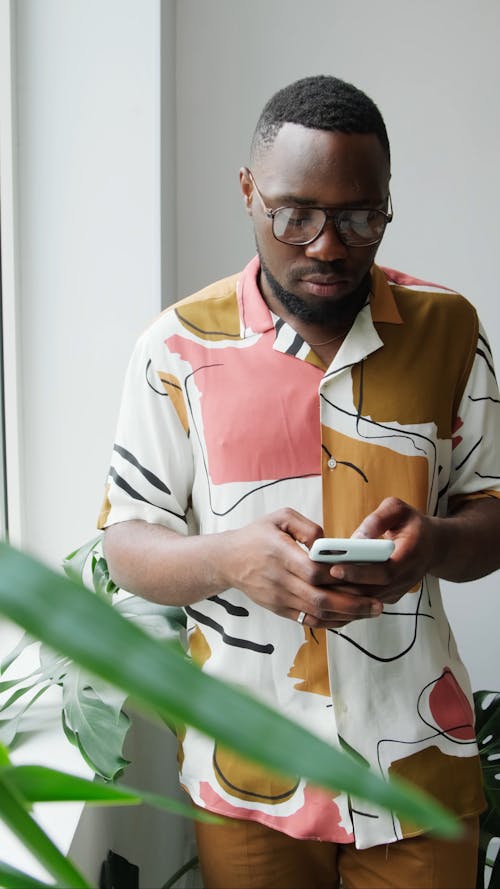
point(350, 549)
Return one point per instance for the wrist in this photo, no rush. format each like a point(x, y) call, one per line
point(441, 533)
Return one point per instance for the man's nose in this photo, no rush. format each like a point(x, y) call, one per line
point(327, 246)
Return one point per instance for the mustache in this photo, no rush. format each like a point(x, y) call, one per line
point(319, 268)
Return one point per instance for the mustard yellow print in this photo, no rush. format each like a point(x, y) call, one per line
point(210, 314)
point(454, 780)
point(427, 371)
point(199, 648)
point(311, 664)
point(105, 509)
point(173, 389)
point(363, 476)
point(247, 781)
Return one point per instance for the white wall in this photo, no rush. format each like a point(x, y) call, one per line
point(434, 70)
point(88, 125)
point(83, 280)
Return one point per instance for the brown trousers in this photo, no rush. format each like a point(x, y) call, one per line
point(247, 855)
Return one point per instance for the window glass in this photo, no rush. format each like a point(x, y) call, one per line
point(3, 476)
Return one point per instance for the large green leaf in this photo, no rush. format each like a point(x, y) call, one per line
point(39, 784)
point(12, 878)
point(95, 723)
point(74, 621)
point(487, 707)
point(19, 821)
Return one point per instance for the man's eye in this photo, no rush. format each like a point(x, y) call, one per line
point(299, 218)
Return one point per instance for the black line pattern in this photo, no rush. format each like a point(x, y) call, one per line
point(124, 485)
point(229, 640)
point(150, 476)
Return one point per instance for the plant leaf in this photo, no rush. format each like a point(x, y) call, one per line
point(97, 722)
point(10, 727)
point(160, 621)
point(24, 642)
point(74, 564)
point(4, 756)
point(84, 627)
point(487, 708)
point(41, 784)
point(17, 819)
point(37, 784)
point(12, 878)
point(103, 585)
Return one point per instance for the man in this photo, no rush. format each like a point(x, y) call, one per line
point(315, 393)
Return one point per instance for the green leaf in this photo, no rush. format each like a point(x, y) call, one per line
point(74, 564)
point(4, 756)
point(10, 727)
point(160, 621)
point(38, 784)
point(74, 621)
point(17, 819)
point(487, 707)
point(12, 878)
point(98, 724)
point(103, 585)
point(24, 642)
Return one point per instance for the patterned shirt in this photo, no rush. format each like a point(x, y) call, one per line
point(227, 415)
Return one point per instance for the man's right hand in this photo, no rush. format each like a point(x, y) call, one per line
point(266, 563)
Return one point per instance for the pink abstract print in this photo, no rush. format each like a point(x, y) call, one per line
point(450, 708)
point(318, 817)
point(249, 437)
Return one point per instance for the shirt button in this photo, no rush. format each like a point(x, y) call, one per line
point(332, 463)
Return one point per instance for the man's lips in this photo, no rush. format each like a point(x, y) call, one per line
point(322, 279)
point(323, 285)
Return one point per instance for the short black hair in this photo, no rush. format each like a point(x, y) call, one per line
point(321, 102)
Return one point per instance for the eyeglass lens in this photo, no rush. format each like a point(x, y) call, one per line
point(297, 225)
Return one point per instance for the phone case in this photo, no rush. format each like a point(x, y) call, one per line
point(351, 549)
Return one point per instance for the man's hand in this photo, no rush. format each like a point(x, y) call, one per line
point(262, 559)
point(265, 562)
point(413, 556)
point(459, 547)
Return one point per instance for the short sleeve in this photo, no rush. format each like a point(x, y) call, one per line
point(476, 456)
point(150, 475)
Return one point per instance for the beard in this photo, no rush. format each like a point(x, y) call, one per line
point(319, 311)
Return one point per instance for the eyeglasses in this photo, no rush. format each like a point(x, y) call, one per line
point(356, 227)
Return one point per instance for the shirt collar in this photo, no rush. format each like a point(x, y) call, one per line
point(382, 302)
point(256, 317)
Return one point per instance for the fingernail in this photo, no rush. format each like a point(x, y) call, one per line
point(338, 573)
point(376, 609)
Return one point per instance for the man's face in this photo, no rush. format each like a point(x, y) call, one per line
point(325, 280)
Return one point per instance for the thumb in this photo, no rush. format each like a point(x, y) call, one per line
point(297, 526)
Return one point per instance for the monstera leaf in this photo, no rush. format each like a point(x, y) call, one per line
point(487, 706)
point(91, 709)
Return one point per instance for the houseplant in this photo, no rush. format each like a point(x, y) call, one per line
point(79, 624)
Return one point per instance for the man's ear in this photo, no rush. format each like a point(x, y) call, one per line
point(246, 185)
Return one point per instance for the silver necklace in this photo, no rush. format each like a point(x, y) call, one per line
point(327, 342)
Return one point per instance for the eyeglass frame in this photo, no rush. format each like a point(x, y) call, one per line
point(328, 213)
